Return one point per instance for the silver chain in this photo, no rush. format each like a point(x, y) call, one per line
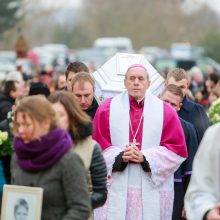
point(134, 135)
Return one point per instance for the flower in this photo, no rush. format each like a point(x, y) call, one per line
point(5, 144)
point(214, 112)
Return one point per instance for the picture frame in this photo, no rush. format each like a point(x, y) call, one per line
point(21, 203)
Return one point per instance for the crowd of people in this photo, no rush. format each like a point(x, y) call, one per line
point(133, 157)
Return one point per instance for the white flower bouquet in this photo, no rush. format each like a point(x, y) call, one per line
point(5, 144)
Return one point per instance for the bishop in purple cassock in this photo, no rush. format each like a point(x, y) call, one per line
point(143, 145)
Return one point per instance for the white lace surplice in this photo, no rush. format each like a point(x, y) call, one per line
point(133, 193)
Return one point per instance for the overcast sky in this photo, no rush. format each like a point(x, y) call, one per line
point(53, 3)
point(215, 4)
point(195, 4)
point(66, 3)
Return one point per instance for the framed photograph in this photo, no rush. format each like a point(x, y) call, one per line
point(21, 203)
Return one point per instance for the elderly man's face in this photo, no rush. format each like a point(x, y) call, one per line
point(84, 94)
point(137, 82)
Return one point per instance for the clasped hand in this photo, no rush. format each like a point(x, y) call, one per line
point(132, 154)
point(214, 213)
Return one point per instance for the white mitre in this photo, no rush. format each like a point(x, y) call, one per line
point(110, 76)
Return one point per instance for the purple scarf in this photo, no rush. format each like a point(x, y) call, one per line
point(42, 153)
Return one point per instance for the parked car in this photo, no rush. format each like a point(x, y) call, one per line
point(88, 55)
point(121, 44)
point(202, 62)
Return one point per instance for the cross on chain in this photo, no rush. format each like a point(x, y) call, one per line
point(134, 143)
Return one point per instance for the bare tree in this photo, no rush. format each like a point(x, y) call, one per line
point(9, 14)
point(146, 22)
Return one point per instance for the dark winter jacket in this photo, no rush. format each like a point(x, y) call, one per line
point(196, 115)
point(97, 167)
point(5, 105)
point(99, 178)
point(92, 109)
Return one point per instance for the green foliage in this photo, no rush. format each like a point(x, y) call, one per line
point(214, 112)
point(5, 144)
point(211, 46)
point(8, 14)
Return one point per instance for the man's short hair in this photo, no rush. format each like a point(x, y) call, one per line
point(76, 67)
point(178, 74)
point(175, 90)
point(83, 77)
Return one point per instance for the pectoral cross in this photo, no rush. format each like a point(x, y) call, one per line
point(134, 143)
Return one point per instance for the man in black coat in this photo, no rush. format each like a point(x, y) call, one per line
point(173, 95)
point(190, 111)
point(6, 109)
point(6, 103)
point(12, 88)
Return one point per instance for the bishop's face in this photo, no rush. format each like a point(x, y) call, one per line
point(136, 82)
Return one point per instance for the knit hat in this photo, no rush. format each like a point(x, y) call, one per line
point(39, 88)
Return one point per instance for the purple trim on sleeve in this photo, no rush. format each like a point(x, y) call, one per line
point(178, 180)
point(188, 173)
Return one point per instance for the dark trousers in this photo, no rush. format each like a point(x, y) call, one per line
point(178, 201)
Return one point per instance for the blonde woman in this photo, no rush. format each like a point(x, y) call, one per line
point(78, 123)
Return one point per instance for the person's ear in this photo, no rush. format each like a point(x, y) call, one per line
point(180, 106)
